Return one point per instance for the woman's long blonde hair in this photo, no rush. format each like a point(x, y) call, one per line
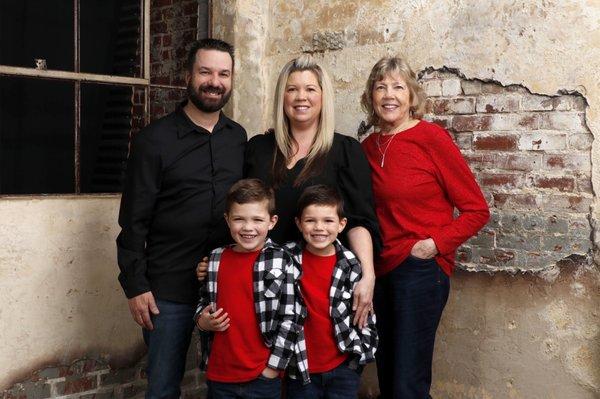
point(283, 136)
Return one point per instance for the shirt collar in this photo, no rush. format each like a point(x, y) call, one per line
point(185, 125)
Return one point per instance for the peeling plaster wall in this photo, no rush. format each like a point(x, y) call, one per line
point(502, 336)
point(506, 336)
point(60, 298)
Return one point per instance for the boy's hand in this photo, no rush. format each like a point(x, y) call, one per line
point(362, 304)
point(270, 373)
point(140, 307)
point(216, 321)
point(201, 269)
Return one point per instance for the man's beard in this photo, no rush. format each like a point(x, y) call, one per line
point(210, 105)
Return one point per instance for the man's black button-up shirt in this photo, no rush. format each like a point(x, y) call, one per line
point(173, 201)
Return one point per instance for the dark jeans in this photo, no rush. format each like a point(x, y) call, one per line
point(339, 383)
point(259, 388)
point(168, 345)
point(408, 302)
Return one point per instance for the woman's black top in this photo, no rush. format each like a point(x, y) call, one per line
point(346, 168)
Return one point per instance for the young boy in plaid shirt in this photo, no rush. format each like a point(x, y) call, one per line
point(247, 312)
point(333, 347)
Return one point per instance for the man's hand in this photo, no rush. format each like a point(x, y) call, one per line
point(140, 307)
point(216, 321)
point(424, 249)
point(363, 300)
point(270, 373)
point(202, 269)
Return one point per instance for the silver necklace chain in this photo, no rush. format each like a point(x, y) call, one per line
point(387, 145)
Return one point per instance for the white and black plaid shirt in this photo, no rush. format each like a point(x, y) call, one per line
point(361, 344)
point(274, 302)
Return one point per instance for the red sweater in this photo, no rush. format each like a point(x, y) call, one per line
point(239, 353)
point(423, 179)
point(321, 347)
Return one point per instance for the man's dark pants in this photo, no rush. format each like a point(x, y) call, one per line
point(168, 345)
point(409, 302)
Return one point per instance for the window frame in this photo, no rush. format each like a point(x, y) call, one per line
point(78, 78)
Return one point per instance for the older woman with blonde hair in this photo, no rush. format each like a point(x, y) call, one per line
point(419, 179)
point(303, 150)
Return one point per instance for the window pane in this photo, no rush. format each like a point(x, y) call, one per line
point(31, 29)
point(36, 136)
point(110, 37)
point(109, 116)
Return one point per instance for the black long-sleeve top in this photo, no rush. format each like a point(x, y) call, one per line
point(173, 201)
point(346, 168)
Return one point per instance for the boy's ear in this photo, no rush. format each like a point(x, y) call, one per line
point(297, 223)
point(343, 222)
point(274, 220)
point(226, 216)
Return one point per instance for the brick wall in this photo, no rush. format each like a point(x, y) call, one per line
point(531, 156)
point(174, 25)
point(95, 379)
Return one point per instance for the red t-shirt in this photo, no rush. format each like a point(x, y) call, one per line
point(322, 351)
point(423, 179)
point(239, 353)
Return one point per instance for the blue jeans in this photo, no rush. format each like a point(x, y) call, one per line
point(409, 302)
point(339, 383)
point(168, 345)
point(258, 388)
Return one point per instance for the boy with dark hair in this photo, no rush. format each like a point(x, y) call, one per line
point(335, 349)
point(247, 311)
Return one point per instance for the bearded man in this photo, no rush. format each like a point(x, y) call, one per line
point(179, 170)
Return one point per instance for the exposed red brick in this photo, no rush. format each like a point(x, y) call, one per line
point(529, 121)
point(161, 80)
point(75, 386)
point(188, 36)
point(559, 183)
point(161, 3)
point(445, 123)
point(496, 142)
point(190, 8)
point(503, 256)
point(453, 106)
point(480, 160)
point(556, 161)
point(498, 179)
point(463, 123)
point(158, 27)
point(515, 201)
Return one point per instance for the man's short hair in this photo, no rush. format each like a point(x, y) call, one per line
point(246, 191)
point(207, 44)
point(323, 195)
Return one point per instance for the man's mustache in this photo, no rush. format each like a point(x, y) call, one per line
point(212, 89)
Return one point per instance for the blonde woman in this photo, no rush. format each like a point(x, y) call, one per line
point(304, 150)
point(419, 178)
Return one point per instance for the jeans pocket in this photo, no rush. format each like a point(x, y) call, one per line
point(263, 378)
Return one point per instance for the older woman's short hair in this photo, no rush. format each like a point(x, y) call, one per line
point(384, 67)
